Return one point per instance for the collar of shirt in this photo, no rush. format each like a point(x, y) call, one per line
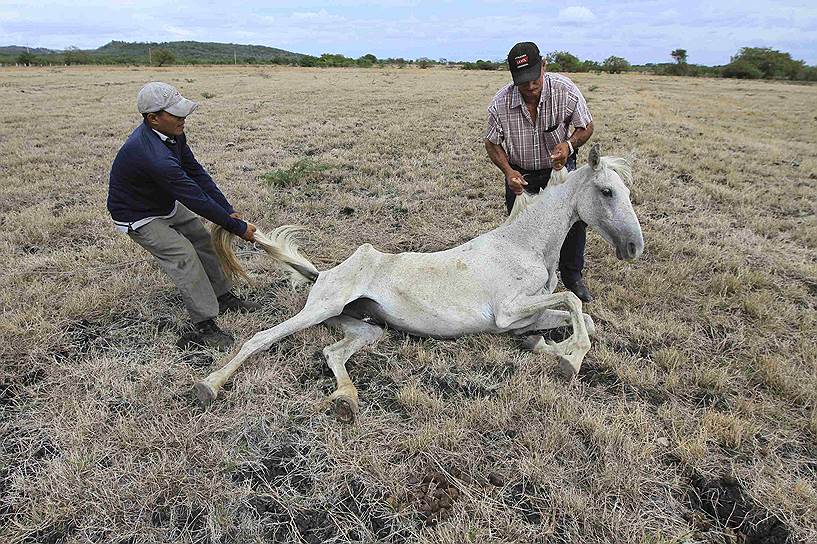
point(166, 139)
point(516, 96)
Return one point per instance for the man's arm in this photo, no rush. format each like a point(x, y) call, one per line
point(197, 172)
point(581, 135)
point(169, 173)
point(497, 154)
point(562, 150)
point(493, 138)
point(582, 122)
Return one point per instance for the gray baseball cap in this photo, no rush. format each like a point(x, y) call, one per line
point(157, 96)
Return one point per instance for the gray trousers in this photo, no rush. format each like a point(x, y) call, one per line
point(185, 252)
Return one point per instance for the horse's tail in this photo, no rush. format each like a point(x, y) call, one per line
point(280, 244)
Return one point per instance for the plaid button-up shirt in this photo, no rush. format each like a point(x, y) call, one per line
point(529, 144)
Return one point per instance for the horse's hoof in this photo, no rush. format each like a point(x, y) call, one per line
point(345, 409)
point(566, 368)
point(205, 393)
point(532, 343)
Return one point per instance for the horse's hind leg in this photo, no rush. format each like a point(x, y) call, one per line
point(328, 296)
point(357, 334)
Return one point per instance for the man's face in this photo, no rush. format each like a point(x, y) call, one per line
point(532, 90)
point(166, 123)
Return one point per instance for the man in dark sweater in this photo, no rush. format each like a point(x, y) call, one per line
point(156, 185)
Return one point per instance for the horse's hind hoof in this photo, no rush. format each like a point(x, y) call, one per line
point(205, 393)
point(567, 368)
point(345, 409)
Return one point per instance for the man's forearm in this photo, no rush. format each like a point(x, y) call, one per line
point(580, 136)
point(498, 156)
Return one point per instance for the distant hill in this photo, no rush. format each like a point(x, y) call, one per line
point(187, 52)
point(196, 51)
point(17, 49)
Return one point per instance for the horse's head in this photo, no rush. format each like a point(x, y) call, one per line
point(604, 204)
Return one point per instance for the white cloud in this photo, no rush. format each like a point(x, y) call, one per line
point(321, 15)
point(9, 16)
point(178, 31)
point(576, 14)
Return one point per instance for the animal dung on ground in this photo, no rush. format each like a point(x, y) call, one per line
point(434, 494)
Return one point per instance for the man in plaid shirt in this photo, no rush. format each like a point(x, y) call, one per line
point(529, 135)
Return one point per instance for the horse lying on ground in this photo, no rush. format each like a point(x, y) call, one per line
point(501, 281)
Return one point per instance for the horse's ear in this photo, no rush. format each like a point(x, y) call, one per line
point(595, 157)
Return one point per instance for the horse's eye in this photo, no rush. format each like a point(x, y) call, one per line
point(607, 191)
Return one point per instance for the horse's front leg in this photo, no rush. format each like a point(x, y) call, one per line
point(517, 314)
point(553, 319)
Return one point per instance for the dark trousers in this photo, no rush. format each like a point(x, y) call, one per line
point(571, 256)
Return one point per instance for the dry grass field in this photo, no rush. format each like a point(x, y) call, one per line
point(694, 418)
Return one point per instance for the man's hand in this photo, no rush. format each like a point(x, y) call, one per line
point(249, 234)
point(559, 155)
point(516, 182)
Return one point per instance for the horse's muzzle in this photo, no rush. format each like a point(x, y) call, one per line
point(630, 251)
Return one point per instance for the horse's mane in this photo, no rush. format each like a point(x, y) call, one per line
point(619, 165)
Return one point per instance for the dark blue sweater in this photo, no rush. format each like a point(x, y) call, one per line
point(149, 175)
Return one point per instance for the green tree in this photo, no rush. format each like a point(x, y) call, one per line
point(615, 65)
point(562, 61)
point(162, 57)
point(75, 55)
point(771, 63)
point(335, 59)
point(424, 62)
point(308, 60)
point(741, 69)
point(809, 73)
point(26, 58)
point(367, 60)
point(680, 68)
point(591, 66)
point(680, 56)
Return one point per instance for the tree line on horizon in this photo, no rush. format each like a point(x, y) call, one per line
point(748, 63)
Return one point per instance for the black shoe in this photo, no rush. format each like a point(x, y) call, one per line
point(228, 302)
point(579, 289)
point(206, 334)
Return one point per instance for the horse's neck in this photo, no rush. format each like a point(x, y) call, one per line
point(544, 225)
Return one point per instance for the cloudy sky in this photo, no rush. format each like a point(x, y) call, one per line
point(639, 30)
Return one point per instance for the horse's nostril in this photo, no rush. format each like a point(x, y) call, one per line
point(631, 249)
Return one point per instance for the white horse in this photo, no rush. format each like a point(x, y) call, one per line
point(501, 281)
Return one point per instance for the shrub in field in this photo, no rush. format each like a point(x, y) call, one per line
point(303, 169)
point(27, 59)
point(162, 57)
point(742, 70)
point(809, 73)
point(615, 65)
point(482, 65)
point(562, 61)
point(74, 55)
point(590, 66)
point(770, 63)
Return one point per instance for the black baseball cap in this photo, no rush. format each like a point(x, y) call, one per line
point(525, 62)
